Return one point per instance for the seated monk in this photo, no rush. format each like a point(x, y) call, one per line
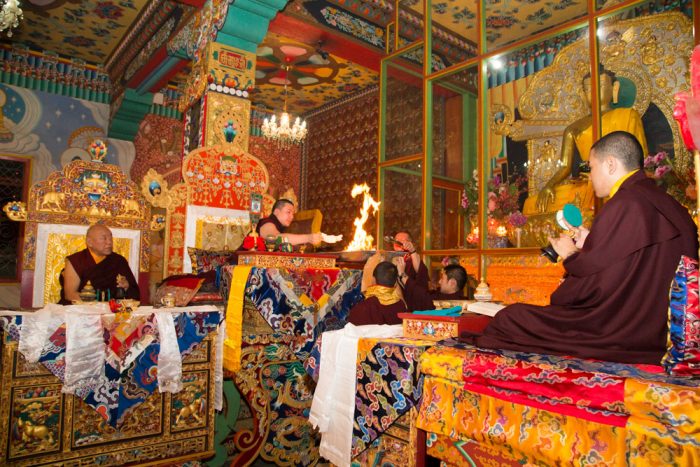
point(106, 270)
point(579, 135)
point(613, 302)
point(382, 302)
point(281, 218)
point(453, 279)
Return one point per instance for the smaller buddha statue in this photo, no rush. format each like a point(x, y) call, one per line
point(579, 135)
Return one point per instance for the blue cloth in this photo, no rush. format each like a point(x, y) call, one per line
point(454, 311)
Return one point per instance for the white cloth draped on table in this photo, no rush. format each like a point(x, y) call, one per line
point(85, 346)
point(36, 329)
point(169, 358)
point(333, 405)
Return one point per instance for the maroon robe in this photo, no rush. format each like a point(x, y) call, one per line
point(459, 295)
point(613, 304)
point(103, 275)
point(272, 219)
point(370, 311)
point(415, 290)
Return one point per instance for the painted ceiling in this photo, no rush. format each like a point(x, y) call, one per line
point(506, 20)
point(93, 31)
point(313, 77)
point(87, 30)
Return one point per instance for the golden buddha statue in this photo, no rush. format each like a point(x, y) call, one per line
point(579, 134)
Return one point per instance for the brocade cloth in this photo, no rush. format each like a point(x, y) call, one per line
point(553, 409)
point(119, 370)
point(389, 384)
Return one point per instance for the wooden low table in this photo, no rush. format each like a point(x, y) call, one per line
point(442, 327)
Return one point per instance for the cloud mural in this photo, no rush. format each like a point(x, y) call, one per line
point(54, 130)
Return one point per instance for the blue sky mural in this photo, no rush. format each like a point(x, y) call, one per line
point(55, 129)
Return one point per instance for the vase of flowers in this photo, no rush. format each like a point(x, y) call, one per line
point(503, 208)
point(678, 183)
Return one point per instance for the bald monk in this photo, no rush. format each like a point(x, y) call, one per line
point(613, 303)
point(98, 264)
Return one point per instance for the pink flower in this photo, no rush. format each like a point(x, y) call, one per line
point(661, 171)
point(517, 219)
point(659, 157)
point(492, 201)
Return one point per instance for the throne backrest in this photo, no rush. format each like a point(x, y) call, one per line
point(211, 207)
point(58, 213)
point(59, 241)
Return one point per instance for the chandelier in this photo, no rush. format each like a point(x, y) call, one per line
point(10, 15)
point(281, 132)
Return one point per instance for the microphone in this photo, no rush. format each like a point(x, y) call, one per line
point(571, 214)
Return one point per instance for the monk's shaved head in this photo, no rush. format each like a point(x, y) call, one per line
point(99, 239)
point(95, 228)
point(622, 146)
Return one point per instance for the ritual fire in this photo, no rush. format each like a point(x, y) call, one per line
point(361, 240)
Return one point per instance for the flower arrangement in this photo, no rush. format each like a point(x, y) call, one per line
point(679, 184)
point(470, 197)
point(503, 200)
point(502, 204)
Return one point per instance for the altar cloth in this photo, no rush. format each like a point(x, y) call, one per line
point(389, 383)
point(334, 399)
point(130, 349)
point(525, 408)
point(303, 303)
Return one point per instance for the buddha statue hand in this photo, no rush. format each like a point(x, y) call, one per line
point(545, 196)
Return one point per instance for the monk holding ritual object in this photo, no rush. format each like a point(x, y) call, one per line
point(613, 302)
point(107, 271)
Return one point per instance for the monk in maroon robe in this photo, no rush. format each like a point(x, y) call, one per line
point(382, 302)
point(613, 303)
point(453, 279)
point(276, 224)
point(107, 271)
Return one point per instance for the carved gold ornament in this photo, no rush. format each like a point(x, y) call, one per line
point(16, 211)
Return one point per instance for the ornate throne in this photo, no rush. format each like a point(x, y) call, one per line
point(211, 208)
point(58, 213)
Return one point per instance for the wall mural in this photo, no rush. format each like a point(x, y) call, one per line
point(158, 145)
point(283, 165)
point(54, 130)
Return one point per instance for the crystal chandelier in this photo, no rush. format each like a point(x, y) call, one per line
point(280, 132)
point(10, 15)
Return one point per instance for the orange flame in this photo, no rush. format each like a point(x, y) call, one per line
point(361, 240)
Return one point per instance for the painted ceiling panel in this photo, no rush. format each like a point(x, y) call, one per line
point(87, 30)
point(314, 78)
point(91, 30)
point(506, 20)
